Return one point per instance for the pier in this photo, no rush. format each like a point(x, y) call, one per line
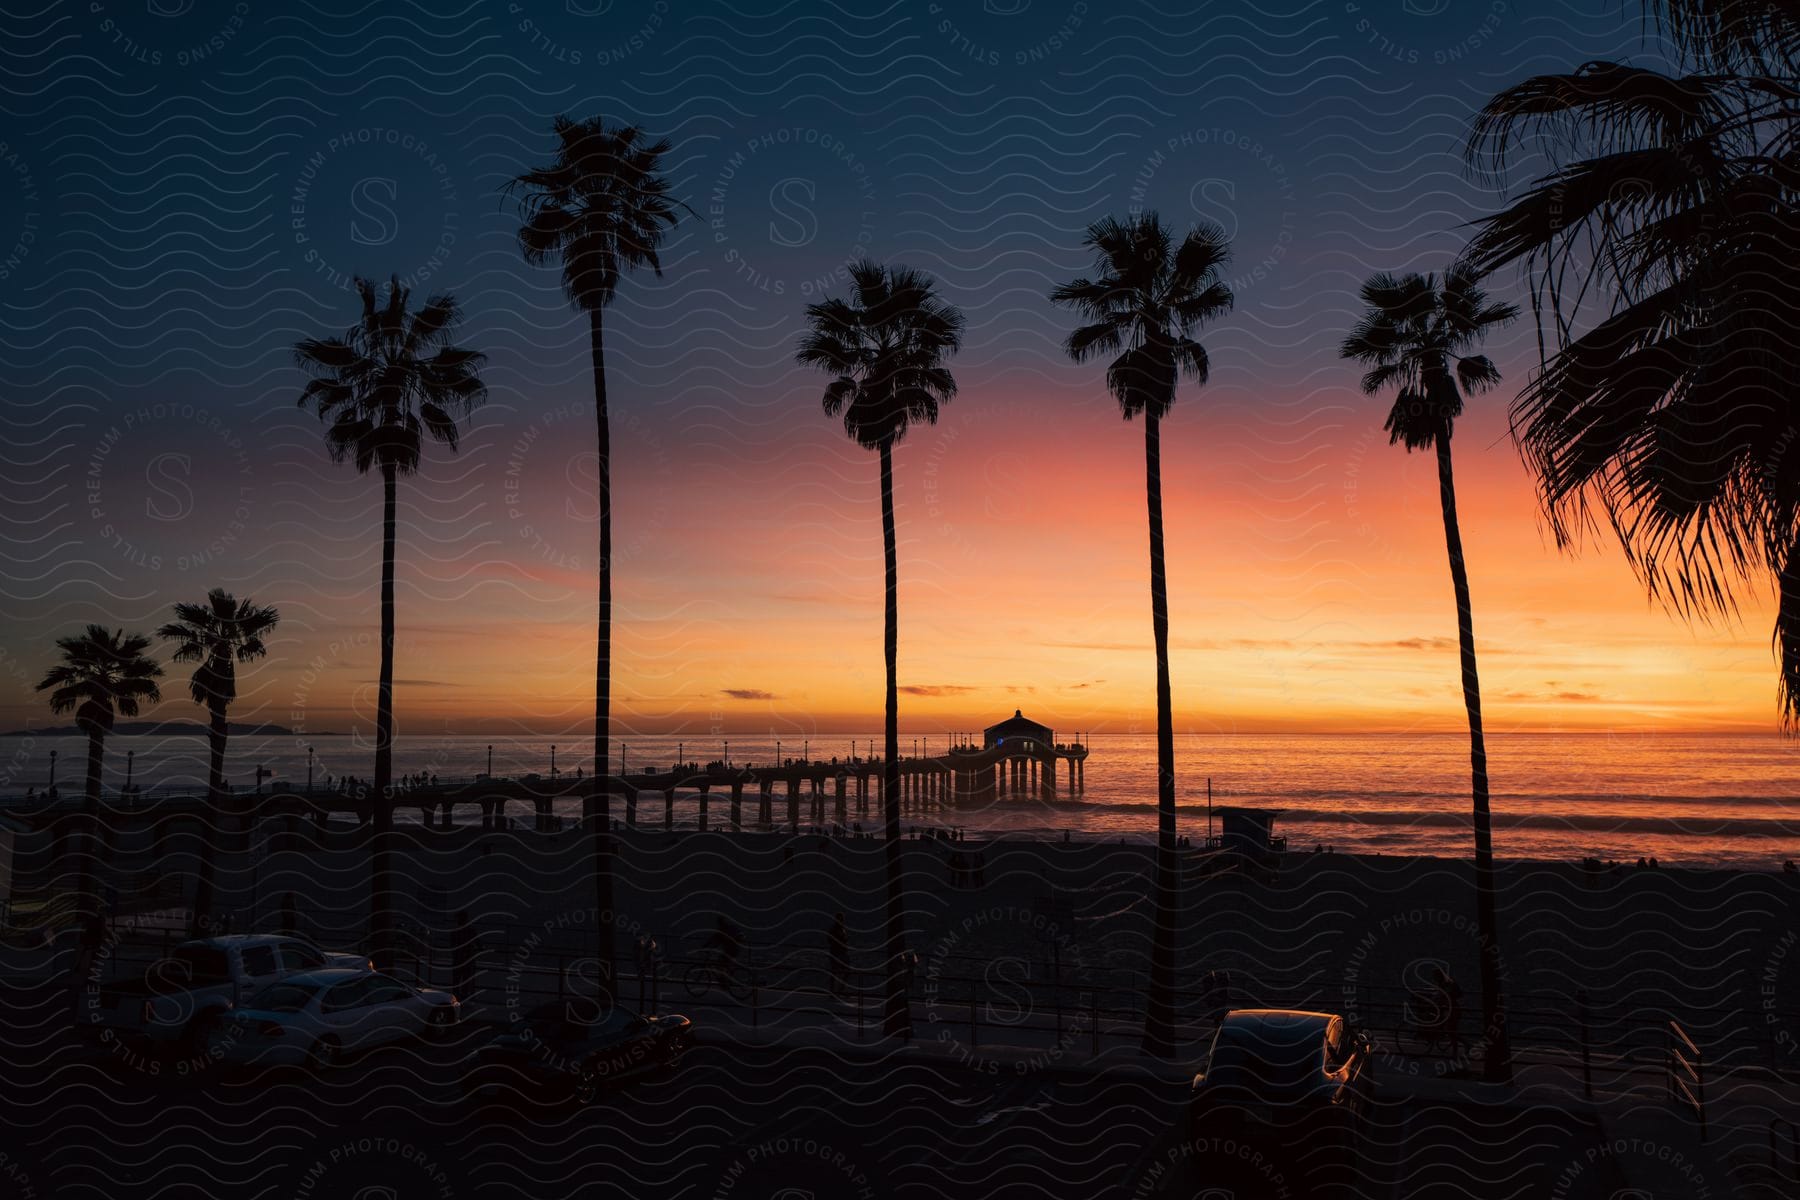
point(1017, 761)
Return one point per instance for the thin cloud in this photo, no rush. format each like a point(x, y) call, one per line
point(934, 689)
point(748, 694)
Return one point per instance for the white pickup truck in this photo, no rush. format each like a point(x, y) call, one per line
point(182, 997)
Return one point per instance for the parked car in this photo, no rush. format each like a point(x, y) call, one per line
point(572, 1050)
point(182, 997)
point(319, 1018)
point(1300, 1082)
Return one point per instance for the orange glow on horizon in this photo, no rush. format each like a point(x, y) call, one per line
point(1308, 592)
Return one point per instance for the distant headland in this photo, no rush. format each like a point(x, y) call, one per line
point(169, 729)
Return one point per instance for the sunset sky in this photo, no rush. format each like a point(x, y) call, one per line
point(181, 219)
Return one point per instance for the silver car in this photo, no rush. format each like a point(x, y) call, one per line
point(319, 1018)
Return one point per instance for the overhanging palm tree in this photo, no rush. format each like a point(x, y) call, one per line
point(1146, 298)
point(600, 208)
point(103, 674)
point(391, 380)
point(216, 634)
point(886, 348)
point(1659, 250)
point(1415, 338)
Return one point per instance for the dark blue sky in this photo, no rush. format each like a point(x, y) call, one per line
point(188, 188)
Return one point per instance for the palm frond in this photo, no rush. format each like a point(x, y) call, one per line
point(1143, 300)
point(886, 347)
point(103, 672)
point(602, 206)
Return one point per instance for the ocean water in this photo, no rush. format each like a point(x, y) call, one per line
point(1703, 799)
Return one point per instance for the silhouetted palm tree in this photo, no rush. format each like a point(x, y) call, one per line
point(1659, 248)
point(886, 348)
point(1148, 295)
point(1415, 338)
point(103, 674)
point(391, 380)
point(600, 209)
point(217, 635)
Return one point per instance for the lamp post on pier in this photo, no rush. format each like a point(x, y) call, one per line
point(129, 755)
point(309, 770)
point(553, 762)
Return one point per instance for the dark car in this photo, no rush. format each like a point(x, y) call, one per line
point(1297, 1084)
point(573, 1049)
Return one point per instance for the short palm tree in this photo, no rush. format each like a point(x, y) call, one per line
point(1146, 299)
point(886, 349)
point(383, 386)
point(1416, 338)
point(103, 674)
point(1659, 249)
point(216, 635)
point(600, 208)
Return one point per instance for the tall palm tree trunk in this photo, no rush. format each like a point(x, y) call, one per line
point(1787, 628)
point(381, 884)
point(898, 1021)
point(1159, 1021)
point(87, 882)
point(201, 917)
point(599, 809)
point(1497, 1066)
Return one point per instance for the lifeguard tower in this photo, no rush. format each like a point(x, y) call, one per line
point(1246, 839)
